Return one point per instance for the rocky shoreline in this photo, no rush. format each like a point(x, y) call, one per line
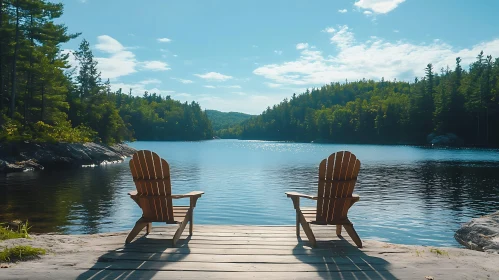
point(481, 234)
point(19, 157)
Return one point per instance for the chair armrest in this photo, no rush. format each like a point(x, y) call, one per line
point(191, 194)
point(132, 193)
point(297, 194)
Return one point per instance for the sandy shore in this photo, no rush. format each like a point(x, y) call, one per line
point(241, 252)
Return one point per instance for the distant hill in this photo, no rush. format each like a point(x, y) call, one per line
point(222, 120)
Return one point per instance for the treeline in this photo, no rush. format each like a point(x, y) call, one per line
point(456, 101)
point(223, 120)
point(42, 98)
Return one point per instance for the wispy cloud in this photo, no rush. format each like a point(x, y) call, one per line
point(379, 6)
point(368, 13)
point(183, 81)
point(214, 76)
point(342, 11)
point(164, 40)
point(301, 46)
point(329, 30)
point(278, 52)
point(370, 59)
point(273, 85)
point(209, 86)
point(155, 65)
point(233, 86)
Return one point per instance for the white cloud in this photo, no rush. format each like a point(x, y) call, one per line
point(343, 38)
point(138, 89)
point(71, 58)
point(273, 85)
point(301, 46)
point(342, 11)
point(278, 52)
point(115, 60)
point(155, 65)
point(183, 81)
point(379, 6)
point(121, 62)
point(175, 55)
point(209, 86)
point(234, 86)
point(108, 44)
point(329, 30)
point(164, 40)
point(368, 13)
point(214, 76)
point(371, 59)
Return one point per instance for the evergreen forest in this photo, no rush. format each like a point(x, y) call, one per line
point(456, 101)
point(44, 99)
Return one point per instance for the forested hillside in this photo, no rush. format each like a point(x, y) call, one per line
point(42, 98)
point(458, 101)
point(222, 120)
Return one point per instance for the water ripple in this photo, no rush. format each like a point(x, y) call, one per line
point(409, 195)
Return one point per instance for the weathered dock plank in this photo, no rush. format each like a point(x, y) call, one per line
point(243, 252)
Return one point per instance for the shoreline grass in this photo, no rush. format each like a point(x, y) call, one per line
point(9, 233)
point(20, 253)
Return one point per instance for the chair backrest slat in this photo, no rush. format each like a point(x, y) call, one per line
point(151, 175)
point(337, 177)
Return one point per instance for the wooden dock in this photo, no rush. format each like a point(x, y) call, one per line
point(244, 252)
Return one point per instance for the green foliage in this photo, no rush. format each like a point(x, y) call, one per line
point(6, 232)
point(153, 117)
point(224, 120)
point(20, 253)
point(465, 103)
point(439, 252)
point(43, 99)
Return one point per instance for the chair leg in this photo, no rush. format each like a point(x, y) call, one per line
point(139, 225)
point(191, 223)
point(148, 228)
point(307, 229)
point(181, 228)
point(297, 224)
point(353, 234)
point(338, 230)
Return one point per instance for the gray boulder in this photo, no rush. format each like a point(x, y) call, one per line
point(481, 234)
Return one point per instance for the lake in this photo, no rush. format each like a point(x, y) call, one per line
point(409, 195)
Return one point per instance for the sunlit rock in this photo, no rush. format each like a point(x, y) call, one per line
point(481, 234)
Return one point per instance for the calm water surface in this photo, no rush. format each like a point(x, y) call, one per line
point(409, 195)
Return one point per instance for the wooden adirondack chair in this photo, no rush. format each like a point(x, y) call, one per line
point(151, 175)
point(337, 178)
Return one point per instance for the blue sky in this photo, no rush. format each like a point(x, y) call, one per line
point(246, 55)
